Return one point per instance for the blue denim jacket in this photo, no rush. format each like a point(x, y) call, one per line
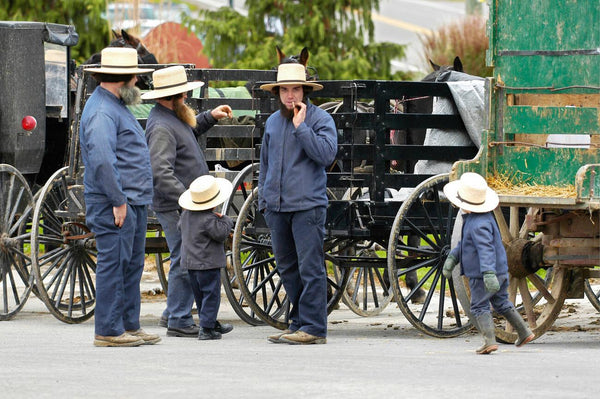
point(480, 248)
point(292, 161)
point(114, 153)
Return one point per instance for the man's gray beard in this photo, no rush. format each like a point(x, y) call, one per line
point(185, 113)
point(130, 95)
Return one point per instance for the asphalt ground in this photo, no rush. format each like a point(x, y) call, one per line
point(375, 357)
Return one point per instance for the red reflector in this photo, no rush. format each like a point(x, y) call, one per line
point(29, 123)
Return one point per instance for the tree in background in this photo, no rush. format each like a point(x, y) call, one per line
point(339, 35)
point(85, 15)
point(465, 38)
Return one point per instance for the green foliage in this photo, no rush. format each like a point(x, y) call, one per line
point(465, 38)
point(338, 33)
point(85, 15)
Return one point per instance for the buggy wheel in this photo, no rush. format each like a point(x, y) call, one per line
point(16, 205)
point(593, 294)
point(420, 242)
point(538, 296)
point(256, 269)
point(63, 250)
point(162, 262)
point(231, 207)
point(368, 291)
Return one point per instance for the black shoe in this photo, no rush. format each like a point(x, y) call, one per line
point(223, 328)
point(209, 333)
point(187, 332)
point(163, 322)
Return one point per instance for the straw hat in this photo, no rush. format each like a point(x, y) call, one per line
point(472, 193)
point(170, 81)
point(118, 61)
point(206, 192)
point(291, 74)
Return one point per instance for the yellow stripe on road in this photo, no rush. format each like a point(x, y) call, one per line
point(400, 24)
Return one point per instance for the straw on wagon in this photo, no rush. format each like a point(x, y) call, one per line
point(504, 185)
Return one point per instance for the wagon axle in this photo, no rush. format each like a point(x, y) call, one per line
point(524, 257)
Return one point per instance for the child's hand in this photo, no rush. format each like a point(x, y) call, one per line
point(449, 265)
point(491, 282)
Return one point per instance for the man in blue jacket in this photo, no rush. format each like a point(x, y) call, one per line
point(299, 142)
point(177, 159)
point(117, 189)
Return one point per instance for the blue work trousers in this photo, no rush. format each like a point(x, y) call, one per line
point(481, 299)
point(180, 297)
point(297, 239)
point(206, 285)
point(119, 267)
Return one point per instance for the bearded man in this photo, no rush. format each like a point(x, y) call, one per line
point(172, 132)
point(117, 189)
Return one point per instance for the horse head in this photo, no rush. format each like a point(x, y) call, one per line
point(125, 39)
point(438, 70)
point(301, 58)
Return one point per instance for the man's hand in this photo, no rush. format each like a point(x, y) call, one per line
point(221, 112)
point(491, 282)
point(120, 213)
point(299, 114)
point(449, 265)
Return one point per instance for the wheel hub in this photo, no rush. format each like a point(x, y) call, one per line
point(524, 257)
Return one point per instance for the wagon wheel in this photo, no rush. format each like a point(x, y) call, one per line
point(63, 250)
point(256, 269)
point(162, 262)
point(16, 204)
point(231, 207)
point(593, 296)
point(427, 218)
point(368, 291)
point(551, 284)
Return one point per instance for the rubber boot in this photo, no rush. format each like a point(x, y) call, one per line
point(485, 325)
point(515, 320)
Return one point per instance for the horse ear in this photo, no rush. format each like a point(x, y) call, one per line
point(116, 35)
point(303, 56)
point(126, 36)
point(435, 66)
point(280, 55)
point(458, 66)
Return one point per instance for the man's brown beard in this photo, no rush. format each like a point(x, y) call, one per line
point(185, 113)
point(287, 113)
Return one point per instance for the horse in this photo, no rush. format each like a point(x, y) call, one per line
point(420, 105)
point(124, 39)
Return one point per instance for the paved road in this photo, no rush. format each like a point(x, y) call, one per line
point(377, 357)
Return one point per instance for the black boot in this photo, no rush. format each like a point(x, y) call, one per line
point(208, 333)
point(223, 328)
point(523, 331)
point(485, 325)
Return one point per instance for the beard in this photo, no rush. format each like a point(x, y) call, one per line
point(185, 113)
point(287, 113)
point(131, 95)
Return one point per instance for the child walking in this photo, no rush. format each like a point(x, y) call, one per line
point(483, 259)
point(203, 234)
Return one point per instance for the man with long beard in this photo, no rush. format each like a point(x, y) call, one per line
point(177, 160)
point(117, 189)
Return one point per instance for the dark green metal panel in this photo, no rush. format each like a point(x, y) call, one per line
point(551, 120)
point(541, 166)
point(542, 43)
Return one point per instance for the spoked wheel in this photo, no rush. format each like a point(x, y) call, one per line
point(538, 295)
point(420, 242)
point(63, 250)
point(593, 294)
point(16, 205)
point(256, 269)
point(162, 262)
point(242, 186)
point(368, 291)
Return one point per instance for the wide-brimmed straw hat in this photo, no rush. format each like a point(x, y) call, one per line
point(291, 74)
point(170, 81)
point(472, 193)
point(118, 61)
point(206, 192)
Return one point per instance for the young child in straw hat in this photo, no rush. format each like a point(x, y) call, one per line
point(483, 259)
point(203, 233)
